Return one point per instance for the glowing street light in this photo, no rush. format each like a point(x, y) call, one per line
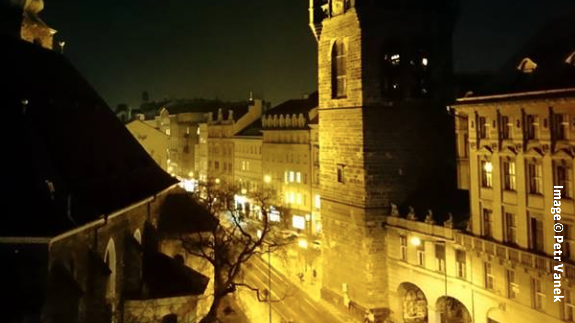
point(267, 179)
point(217, 180)
point(244, 191)
point(416, 241)
point(302, 243)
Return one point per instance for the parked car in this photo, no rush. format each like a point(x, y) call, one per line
point(316, 244)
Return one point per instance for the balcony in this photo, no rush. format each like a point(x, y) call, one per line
point(512, 255)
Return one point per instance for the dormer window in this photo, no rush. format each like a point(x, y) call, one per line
point(527, 66)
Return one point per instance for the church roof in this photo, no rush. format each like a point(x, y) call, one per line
point(67, 158)
point(542, 65)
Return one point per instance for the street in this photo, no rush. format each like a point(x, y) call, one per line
point(294, 304)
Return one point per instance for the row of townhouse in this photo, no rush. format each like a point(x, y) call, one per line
point(251, 146)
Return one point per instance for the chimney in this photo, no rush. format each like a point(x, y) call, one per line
point(11, 16)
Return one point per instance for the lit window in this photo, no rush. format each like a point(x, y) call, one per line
point(291, 177)
point(292, 197)
point(489, 276)
point(509, 175)
point(395, 59)
point(317, 201)
point(424, 61)
point(168, 132)
point(486, 174)
point(298, 177)
point(299, 198)
point(537, 296)
point(243, 165)
point(512, 286)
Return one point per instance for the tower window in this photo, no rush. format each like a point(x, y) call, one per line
point(339, 70)
point(391, 61)
point(341, 173)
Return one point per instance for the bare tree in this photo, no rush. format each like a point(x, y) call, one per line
point(231, 243)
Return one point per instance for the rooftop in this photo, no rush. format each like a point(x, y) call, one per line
point(71, 160)
point(542, 65)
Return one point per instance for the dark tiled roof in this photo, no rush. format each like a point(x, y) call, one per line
point(296, 106)
point(168, 277)
point(253, 130)
point(68, 159)
point(549, 49)
point(180, 214)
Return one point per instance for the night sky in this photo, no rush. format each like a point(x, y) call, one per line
point(225, 48)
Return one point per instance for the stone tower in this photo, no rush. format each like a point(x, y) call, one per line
point(19, 18)
point(384, 75)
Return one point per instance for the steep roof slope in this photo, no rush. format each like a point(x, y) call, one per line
point(67, 159)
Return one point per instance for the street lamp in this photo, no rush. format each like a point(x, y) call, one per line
point(415, 241)
point(267, 179)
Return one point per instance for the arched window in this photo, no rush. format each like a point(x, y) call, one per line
point(110, 259)
point(339, 70)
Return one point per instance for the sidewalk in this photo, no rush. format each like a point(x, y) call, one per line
point(309, 285)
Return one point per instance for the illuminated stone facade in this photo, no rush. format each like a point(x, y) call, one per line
point(383, 71)
point(222, 127)
point(287, 161)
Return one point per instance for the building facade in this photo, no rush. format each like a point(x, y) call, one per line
point(515, 143)
point(222, 126)
point(287, 161)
